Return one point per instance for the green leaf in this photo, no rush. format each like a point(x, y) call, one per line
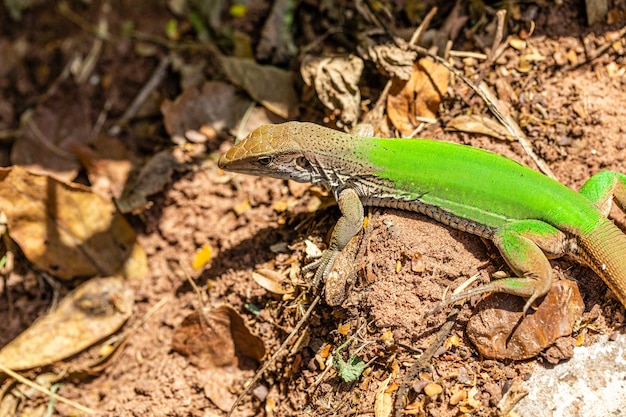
point(351, 370)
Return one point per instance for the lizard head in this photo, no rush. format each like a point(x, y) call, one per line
point(271, 151)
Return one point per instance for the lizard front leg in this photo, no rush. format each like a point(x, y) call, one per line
point(525, 246)
point(348, 225)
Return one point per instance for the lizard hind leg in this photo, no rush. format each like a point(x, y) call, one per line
point(525, 246)
point(604, 187)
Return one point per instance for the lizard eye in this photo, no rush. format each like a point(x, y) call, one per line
point(265, 160)
point(302, 162)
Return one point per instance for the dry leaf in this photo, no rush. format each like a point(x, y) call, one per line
point(216, 105)
point(59, 122)
point(497, 332)
point(419, 97)
point(152, 178)
point(432, 389)
point(474, 123)
point(64, 229)
point(108, 164)
point(272, 281)
point(344, 329)
point(336, 83)
point(383, 405)
point(218, 340)
point(215, 339)
point(202, 256)
point(91, 312)
point(136, 265)
point(394, 61)
point(276, 43)
point(270, 86)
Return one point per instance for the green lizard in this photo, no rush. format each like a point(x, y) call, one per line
point(528, 216)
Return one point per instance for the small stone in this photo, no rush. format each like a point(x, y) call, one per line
point(433, 389)
point(457, 397)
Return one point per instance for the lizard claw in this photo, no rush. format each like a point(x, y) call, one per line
point(322, 266)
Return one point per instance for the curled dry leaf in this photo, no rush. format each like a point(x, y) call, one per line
point(152, 178)
point(474, 123)
point(419, 97)
point(394, 61)
point(336, 83)
point(91, 312)
point(63, 229)
point(59, 122)
point(499, 315)
point(270, 86)
point(272, 281)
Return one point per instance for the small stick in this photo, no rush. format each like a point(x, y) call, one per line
point(491, 56)
point(157, 77)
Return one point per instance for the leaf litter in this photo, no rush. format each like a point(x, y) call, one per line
point(181, 214)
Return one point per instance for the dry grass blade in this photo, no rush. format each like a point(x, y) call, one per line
point(46, 391)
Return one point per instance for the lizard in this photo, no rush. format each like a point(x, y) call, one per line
point(530, 217)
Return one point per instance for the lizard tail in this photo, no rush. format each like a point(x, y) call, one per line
point(604, 250)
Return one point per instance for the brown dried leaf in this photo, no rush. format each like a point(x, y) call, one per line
point(499, 315)
point(94, 310)
point(215, 339)
point(152, 178)
point(108, 164)
point(216, 105)
point(272, 281)
point(270, 86)
point(64, 229)
point(474, 123)
point(58, 123)
point(336, 83)
point(419, 97)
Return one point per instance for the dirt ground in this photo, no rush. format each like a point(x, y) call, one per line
point(572, 112)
